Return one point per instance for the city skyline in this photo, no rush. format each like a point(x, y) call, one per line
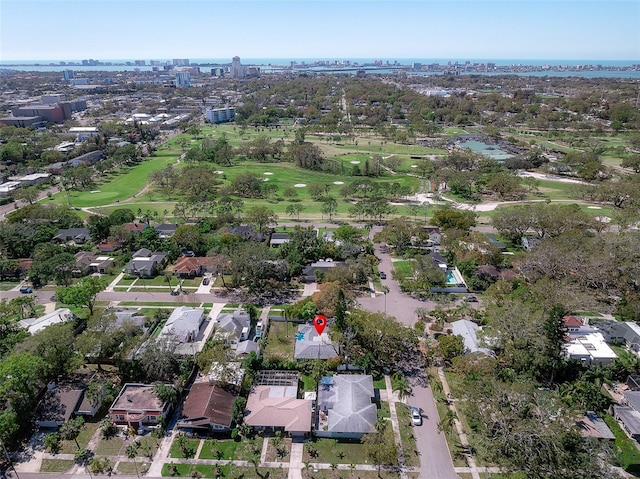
point(144, 29)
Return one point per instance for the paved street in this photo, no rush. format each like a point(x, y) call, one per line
point(435, 459)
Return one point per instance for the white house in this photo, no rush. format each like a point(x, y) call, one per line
point(35, 325)
point(589, 348)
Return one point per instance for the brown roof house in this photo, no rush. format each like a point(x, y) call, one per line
point(274, 404)
point(191, 266)
point(58, 405)
point(209, 404)
point(137, 406)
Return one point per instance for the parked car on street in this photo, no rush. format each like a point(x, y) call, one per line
point(26, 290)
point(383, 275)
point(416, 416)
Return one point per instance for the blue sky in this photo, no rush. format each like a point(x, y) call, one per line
point(164, 29)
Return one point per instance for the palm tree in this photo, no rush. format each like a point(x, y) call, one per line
point(447, 422)
point(131, 452)
point(401, 385)
point(70, 430)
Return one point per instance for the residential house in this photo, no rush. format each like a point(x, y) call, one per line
point(208, 407)
point(166, 230)
point(58, 405)
point(209, 403)
point(346, 406)
point(247, 233)
point(88, 263)
point(129, 316)
point(107, 247)
point(468, 330)
point(192, 266)
point(575, 325)
point(139, 407)
point(233, 328)
point(311, 345)
point(135, 226)
point(35, 325)
point(589, 348)
point(630, 420)
point(273, 404)
point(76, 236)
point(625, 332)
point(146, 263)
point(278, 239)
point(312, 271)
point(592, 426)
point(183, 325)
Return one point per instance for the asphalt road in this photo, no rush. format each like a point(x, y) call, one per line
point(435, 458)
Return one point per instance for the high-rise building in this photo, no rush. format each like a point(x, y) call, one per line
point(67, 75)
point(237, 69)
point(181, 62)
point(183, 79)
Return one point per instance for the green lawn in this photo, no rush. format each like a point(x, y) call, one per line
point(228, 449)
point(335, 451)
point(175, 451)
point(279, 343)
point(308, 383)
point(120, 187)
point(383, 410)
point(56, 465)
point(403, 269)
point(625, 450)
point(131, 468)
point(187, 470)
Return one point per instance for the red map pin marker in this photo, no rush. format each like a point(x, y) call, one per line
point(320, 322)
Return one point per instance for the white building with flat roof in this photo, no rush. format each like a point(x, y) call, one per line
point(220, 115)
point(590, 349)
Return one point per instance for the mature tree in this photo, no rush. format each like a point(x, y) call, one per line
point(166, 393)
point(513, 222)
point(121, 216)
point(398, 233)
point(83, 293)
point(55, 345)
point(294, 209)
point(261, 217)
point(529, 431)
point(633, 162)
point(190, 238)
point(99, 341)
point(450, 218)
point(99, 226)
point(29, 194)
point(21, 377)
point(378, 341)
point(329, 206)
point(450, 347)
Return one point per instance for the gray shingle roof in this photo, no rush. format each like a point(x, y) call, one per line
point(309, 345)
